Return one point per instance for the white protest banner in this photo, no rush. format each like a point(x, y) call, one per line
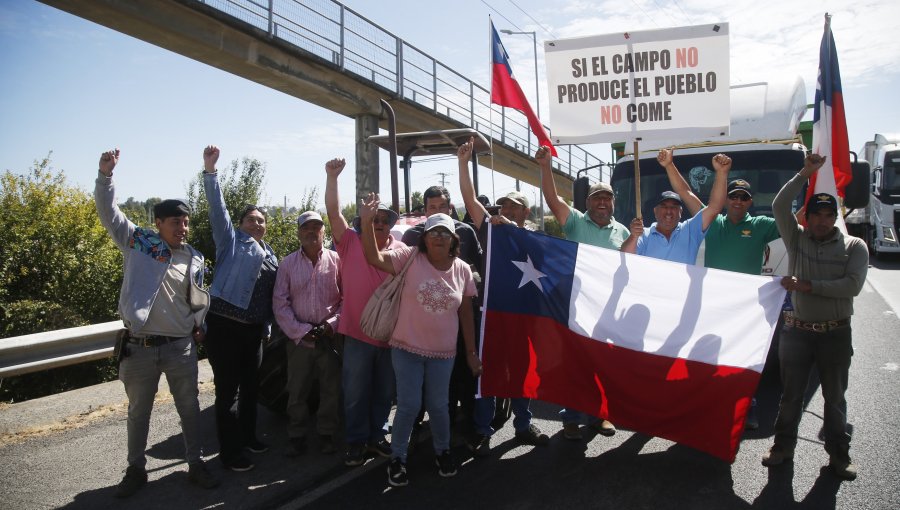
point(670, 83)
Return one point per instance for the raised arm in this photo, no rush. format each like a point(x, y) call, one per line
point(788, 223)
point(219, 219)
point(722, 165)
point(112, 219)
point(559, 208)
point(332, 203)
point(367, 210)
point(475, 208)
point(666, 159)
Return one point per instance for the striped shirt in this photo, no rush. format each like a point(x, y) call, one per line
point(305, 294)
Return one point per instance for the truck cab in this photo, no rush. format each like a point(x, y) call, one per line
point(883, 155)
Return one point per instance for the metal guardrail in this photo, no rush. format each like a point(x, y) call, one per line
point(337, 35)
point(51, 349)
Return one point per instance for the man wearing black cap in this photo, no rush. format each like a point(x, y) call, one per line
point(668, 238)
point(163, 307)
point(828, 268)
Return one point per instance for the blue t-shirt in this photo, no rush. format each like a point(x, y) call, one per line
point(682, 246)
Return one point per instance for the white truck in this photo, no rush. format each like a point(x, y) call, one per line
point(878, 222)
point(767, 144)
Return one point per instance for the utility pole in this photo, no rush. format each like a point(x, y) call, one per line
point(443, 178)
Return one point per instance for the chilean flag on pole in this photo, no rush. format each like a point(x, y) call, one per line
point(666, 349)
point(505, 90)
point(829, 123)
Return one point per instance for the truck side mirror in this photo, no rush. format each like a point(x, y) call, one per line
point(580, 189)
point(856, 194)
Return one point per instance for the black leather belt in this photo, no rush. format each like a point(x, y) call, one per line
point(153, 340)
point(817, 327)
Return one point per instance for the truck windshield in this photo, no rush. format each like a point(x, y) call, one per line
point(765, 170)
point(891, 173)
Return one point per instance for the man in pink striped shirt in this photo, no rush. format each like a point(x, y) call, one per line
point(307, 305)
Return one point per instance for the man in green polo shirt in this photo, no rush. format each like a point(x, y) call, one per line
point(596, 227)
point(737, 241)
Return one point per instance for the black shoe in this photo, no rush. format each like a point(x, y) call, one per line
point(356, 455)
point(200, 476)
point(479, 445)
point(397, 473)
point(326, 444)
point(445, 463)
point(238, 464)
point(296, 447)
point(135, 478)
point(257, 446)
point(381, 448)
point(532, 435)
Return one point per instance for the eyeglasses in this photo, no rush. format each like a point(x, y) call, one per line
point(381, 220)
point(743, 197)
point(443, 234)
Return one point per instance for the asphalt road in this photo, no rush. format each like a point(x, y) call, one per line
point(79, 467)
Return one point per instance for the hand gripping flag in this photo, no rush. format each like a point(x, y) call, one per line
point(829, 123)
point(505, 90)
point(666, 349)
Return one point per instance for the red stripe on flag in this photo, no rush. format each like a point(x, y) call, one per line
point(696, 404)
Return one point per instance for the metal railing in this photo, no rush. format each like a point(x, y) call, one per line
point(51, 349)
point(337, 35)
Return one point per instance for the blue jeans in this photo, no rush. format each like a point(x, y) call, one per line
point(139, 372)
point(417, 375)
point(799, 351)
point(486, 407)
point(367, 379)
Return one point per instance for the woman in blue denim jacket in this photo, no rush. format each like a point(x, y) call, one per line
point(239, 317)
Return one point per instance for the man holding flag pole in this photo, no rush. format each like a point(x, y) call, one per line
point(828, 269)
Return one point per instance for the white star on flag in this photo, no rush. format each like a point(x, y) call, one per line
point(529, 273)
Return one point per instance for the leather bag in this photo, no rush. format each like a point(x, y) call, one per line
point(381, 311)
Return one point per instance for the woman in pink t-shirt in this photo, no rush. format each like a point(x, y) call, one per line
point(435, 301)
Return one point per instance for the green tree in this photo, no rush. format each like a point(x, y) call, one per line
point(53, 248)
point(58, 269)
point(416, 200)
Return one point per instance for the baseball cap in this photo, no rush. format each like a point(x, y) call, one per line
point(739, 185)
point(600, 187)
point(439, 220)
point(392, 216)
point(515, 197)
point(171, 207)
point(669, 195)
point(821, 201)
point(309, 216)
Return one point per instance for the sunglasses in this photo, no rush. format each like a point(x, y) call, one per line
point(743, 197)
point(443, 234)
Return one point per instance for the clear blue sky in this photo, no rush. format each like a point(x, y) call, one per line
point(76, 88)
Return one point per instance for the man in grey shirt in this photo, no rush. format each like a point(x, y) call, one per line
point(828, 268)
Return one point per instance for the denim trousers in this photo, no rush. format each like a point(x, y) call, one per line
point(139, 372)
point(419, 376)
point(367, 380)
point(486, 407)
point(830, 352)
point(305, 365)
point(233, 351)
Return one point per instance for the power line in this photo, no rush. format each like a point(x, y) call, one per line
point(536, 22)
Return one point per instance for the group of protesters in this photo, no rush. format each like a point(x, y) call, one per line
point(317, 296)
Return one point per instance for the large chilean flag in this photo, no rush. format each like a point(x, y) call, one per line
point(666, 349)
point(505, 90)
point(829, 123)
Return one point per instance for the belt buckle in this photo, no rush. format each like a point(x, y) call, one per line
point(819, 327)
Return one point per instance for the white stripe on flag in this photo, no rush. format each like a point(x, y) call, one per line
point(675, 310)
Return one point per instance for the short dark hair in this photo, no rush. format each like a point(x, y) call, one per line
point(454, 244)
point(434, 192)
point(249, 208)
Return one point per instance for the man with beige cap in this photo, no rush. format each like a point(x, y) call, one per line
point(597, 227)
